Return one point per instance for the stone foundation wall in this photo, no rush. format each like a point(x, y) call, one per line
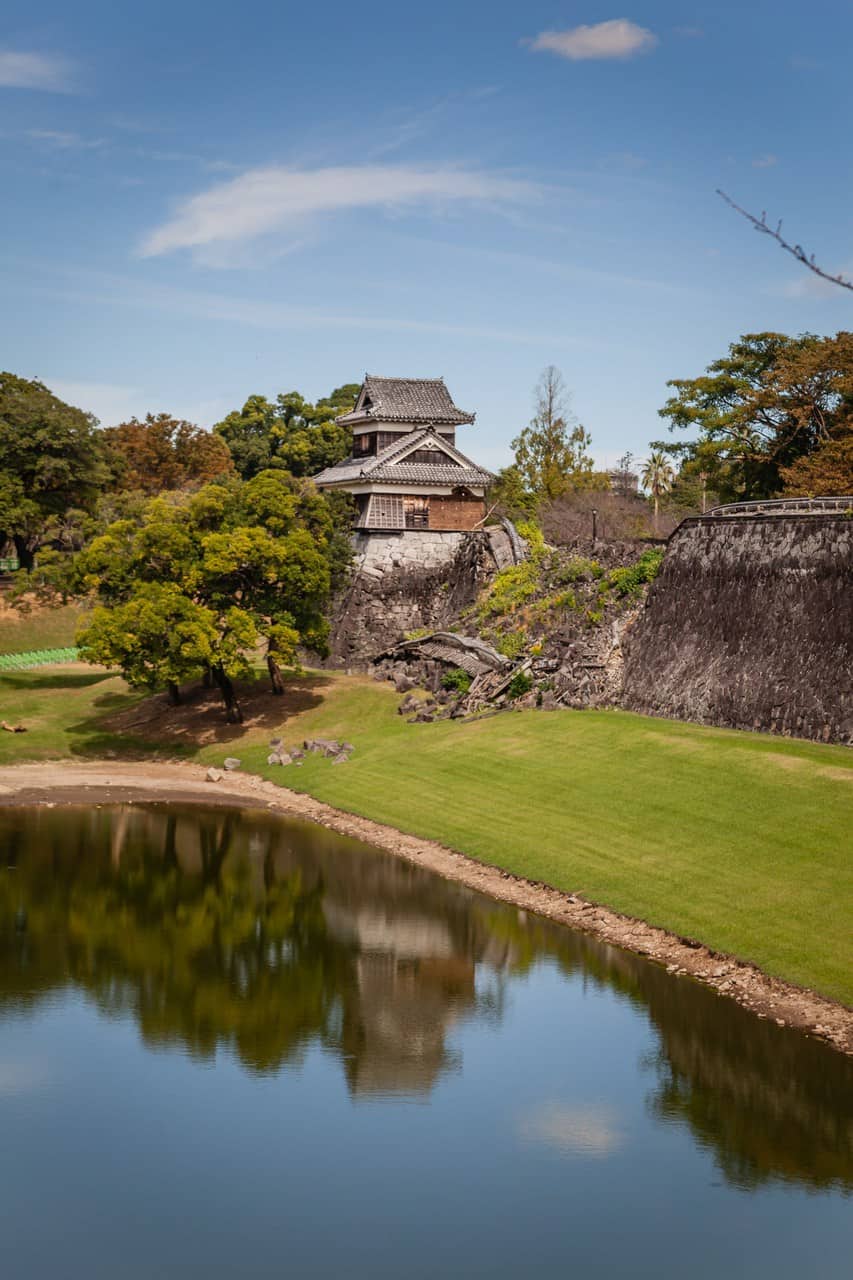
point(403, 582)
point(750, 625)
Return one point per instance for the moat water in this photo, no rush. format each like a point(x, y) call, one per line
point(235, 1046)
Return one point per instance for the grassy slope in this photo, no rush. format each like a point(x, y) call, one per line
point(41, 629)
point(739, 840)
point(742, 841)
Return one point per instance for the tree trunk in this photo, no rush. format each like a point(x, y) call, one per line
point(233, 714)
point(207, 677)
point(657, 504)
point(174, 693)
point(26, 556)
point(276, 678)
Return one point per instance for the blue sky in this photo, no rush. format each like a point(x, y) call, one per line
point(202, 201)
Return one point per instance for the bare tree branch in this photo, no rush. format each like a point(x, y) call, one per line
point(760, 224)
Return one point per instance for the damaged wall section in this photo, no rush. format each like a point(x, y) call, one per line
point(408, 581)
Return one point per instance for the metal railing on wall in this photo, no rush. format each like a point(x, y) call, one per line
point(787, 507)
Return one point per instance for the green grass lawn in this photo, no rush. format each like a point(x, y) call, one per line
point(742, 841)
point(42, 629)
point(62, 709)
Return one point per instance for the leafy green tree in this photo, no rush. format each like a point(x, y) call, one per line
point(157, 637)
point(657, 477)
point(551, 455)
point(292, 433)
point(51, 460)
point(770, 402)
point(252, 562)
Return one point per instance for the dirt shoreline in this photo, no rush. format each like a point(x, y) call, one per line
point(102, 782)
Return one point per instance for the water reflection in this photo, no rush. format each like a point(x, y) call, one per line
point(237, 931)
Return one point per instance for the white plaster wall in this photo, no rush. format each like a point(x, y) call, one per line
point(380, 553)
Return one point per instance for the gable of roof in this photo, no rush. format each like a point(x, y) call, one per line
point(391, 467)
point(405, 400)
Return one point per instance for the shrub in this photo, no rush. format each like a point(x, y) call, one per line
point(512, 643)
point(630, 580)
point(456, 679)
point(519, 685)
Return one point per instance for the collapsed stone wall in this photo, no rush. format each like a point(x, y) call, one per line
point(408, 581)
point(750, 625)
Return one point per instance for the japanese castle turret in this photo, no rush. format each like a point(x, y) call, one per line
point(405, 471)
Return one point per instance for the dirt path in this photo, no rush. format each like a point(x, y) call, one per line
point(66, 782)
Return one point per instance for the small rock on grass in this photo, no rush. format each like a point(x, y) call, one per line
point(340, 758)
point(230, 763)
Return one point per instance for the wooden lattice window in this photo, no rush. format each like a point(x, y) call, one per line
point(385, 512)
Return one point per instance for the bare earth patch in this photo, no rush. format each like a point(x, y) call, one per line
point(99, 783)
point(200, 719)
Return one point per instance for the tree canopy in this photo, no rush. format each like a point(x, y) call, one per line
point(198, 581)
point(51, 462)
point(164, 453)
point(290, 433)
point(552, 453)
point(771, 404)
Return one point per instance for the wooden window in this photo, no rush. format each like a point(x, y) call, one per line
point(364, 446)
point(385, 512)
point(434, 457)
point(384, 438)
point(416, 512)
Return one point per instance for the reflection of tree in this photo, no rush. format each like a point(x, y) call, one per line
point(223, 930)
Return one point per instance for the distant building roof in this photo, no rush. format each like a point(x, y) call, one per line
point(405, 400)
point(391, 467)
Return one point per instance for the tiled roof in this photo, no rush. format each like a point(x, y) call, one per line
point(384, 467)
point(405, 400)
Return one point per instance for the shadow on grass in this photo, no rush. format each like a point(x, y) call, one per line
point(154, 724)
point(52, 679)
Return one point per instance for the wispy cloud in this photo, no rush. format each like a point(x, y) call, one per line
point(63, 140)
point(271, 199)
point(48, 72)
point(583, 1131)
point(765, 162)
point(617, 38)
point(104, 289)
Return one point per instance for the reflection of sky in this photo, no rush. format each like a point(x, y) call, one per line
point(590, 1129)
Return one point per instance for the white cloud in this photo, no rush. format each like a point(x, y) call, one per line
point(617, 38)
point(63, 140)
point(266, 200)
point(582, 1131)
point(765, 161)
point(34, 71)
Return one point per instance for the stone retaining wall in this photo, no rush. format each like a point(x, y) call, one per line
point(750, 625)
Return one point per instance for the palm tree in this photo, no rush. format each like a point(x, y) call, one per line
point(657, 477)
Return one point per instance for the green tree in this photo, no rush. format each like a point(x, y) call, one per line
point(252, 562)
point(551, 455)
point(51, 460)
point(292, 433)
point(770, 402)
point(657, 477)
